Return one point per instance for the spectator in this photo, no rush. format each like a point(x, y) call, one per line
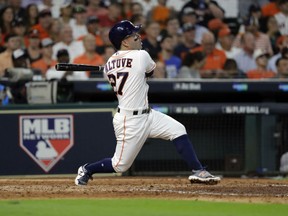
point(273, 33)
point(281, 17)
point(172, 62)
point(147, 6)
point(282, 68)
point(12, 42)
point(94, 8)
point(112, 17)
point(55, 30)
point(63, 57)
point(20, 59)
point(159, 71)
point(46, 61)
point(230, 70)
point(260, 72)
point(126, 11)
point(151, 43)
point(282, 45)
point(84, 2)
point(31, 16)
point(225, 43)
point(18, 73)
point(92, 25)
point(244, 58)
point(75, 48)
point(108, 52)
point(173, 29)
point(90, 57)
point(6, 18)
point(271, 8)
point(79, 23)
point(139, 19)
point(137, 9)
point(255, 17)
point(189, 16)
point(176, 5)
point(205, 10)
point(45, 22)
point(188, 41)
point(105, 38)
point(2, 48)
point(215, 58)
point(18, 10)
point(262, 40)
point(191, 65)
point(33, 46)
point(49, 5)
point(214, 25)
point(19, 28)
point(5, 97)
point(66, 14)
point(160, 13)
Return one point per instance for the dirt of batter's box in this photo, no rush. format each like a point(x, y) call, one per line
point(229, 189)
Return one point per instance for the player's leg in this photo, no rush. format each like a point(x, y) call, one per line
point(130, 138)
point(131, 133)
point(165, 127)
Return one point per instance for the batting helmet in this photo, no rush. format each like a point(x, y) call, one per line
point(120, 31)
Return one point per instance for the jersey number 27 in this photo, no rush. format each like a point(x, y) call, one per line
point(121, 77)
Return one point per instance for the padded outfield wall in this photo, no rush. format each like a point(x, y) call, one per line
point(237, 127)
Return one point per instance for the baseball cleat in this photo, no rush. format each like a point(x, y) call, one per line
point(203, 177)
point(83, 176)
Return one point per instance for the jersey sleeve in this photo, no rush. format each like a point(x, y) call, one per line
point(148, 61)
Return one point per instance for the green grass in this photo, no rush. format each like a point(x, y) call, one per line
point(136, 207)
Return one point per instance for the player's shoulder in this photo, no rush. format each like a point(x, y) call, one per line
point(143, 52)
point(137, 52)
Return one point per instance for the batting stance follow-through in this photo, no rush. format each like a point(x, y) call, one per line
point(127, 71)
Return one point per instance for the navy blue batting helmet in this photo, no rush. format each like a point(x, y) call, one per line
point(120, 31)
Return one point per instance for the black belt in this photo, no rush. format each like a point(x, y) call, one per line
point(136, 112)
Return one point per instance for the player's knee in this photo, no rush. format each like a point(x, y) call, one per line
point(121, 168)
point(179, 130)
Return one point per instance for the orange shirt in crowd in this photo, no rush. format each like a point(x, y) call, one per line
point(269, 9)
point(259, 74)
point(42, 32)
point(161, 14)
point(42, 65)
point(215, 60)
point(84, 59)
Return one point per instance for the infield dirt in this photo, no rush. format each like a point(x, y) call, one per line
point(229, 189)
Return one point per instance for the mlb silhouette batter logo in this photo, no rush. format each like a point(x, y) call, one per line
point(46, 138)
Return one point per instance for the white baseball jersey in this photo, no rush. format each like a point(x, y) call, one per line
point(134, 122)
point(126, 73)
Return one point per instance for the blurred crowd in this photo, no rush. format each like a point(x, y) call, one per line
point(186, 38)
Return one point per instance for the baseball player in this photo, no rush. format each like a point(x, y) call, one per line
point(127, 71)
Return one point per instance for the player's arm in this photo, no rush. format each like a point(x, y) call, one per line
point(149, 64)
point(149, 74)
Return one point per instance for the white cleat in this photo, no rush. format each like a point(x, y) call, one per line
point(203, 177)
point(83, 176)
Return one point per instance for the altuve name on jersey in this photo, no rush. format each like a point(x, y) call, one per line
point(118, 63)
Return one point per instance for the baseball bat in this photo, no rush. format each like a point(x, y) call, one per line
point(77, 67)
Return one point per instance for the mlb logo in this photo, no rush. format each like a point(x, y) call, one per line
point(46, 138)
